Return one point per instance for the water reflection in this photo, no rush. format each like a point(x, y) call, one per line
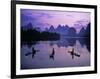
point(66, 52)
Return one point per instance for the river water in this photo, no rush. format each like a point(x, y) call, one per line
point(66, 52)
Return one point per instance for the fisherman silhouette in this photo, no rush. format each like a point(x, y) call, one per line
point(33, 52)
point(52, 54)
point(73, 53)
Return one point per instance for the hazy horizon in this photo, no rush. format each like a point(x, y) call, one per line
point(45, 18)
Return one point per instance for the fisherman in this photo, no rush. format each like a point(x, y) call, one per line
point(52, 54)
point(73, 53)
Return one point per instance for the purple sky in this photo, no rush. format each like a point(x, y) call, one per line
point(44, 18)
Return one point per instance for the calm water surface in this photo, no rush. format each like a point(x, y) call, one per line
point(66, 52)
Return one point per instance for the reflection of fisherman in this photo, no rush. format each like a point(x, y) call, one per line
point(73, 53)
point(52, 54)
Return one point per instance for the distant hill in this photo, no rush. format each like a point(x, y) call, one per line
point(27, 27)
point(85, 32)
point(70, 31)
point(62, 30)
point(30, 26)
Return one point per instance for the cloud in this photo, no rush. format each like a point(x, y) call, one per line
point(47, 15)
point(25, 19)
point(83, 22)
point(45, 18)
point(70, 16)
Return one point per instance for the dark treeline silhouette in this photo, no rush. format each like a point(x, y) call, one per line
point(34, 35)
point(29, 32)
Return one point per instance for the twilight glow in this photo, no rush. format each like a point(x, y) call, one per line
point(45, 18)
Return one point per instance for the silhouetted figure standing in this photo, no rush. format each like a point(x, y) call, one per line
point(52, 54)
point(33, 52)
point(73, 53)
